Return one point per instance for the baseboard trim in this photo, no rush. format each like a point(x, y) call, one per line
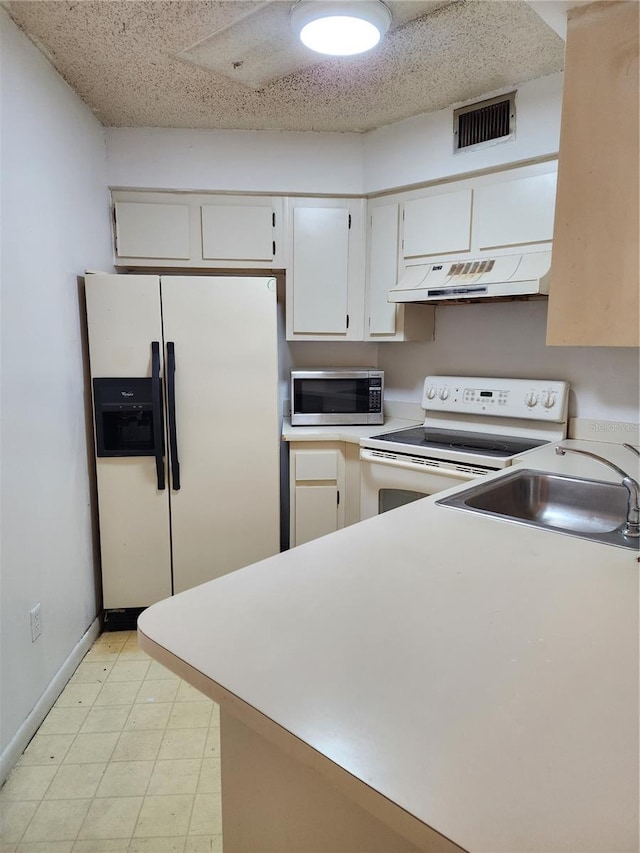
point(19, 742)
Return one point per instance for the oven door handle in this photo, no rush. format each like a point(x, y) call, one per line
point(171, 412)
point(420, 467)
point(156, 410)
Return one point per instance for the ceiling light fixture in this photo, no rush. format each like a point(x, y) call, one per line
point(340, 27)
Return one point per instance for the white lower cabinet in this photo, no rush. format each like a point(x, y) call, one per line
point(324, 478)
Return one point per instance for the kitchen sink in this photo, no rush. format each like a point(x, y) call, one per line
point(588, 509)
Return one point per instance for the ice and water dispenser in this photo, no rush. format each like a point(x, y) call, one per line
point(124, 416)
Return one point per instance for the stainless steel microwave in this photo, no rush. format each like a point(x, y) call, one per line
point(337, 396)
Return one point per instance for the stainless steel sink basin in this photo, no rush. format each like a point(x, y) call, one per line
point(588, 509)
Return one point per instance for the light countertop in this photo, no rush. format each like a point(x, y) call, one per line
point(545, 458)
point(480, 675)
point(351, 434)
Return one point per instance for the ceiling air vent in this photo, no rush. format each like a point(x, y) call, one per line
point(484, 123)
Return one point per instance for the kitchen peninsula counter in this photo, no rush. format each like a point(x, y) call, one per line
point(432, 676)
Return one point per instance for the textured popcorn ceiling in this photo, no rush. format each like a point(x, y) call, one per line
point(258, 48)
point(202, 64)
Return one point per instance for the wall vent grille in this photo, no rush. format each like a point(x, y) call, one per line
point(484, 123)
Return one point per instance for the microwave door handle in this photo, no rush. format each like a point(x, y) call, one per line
point(171, 412)
point(156, 411)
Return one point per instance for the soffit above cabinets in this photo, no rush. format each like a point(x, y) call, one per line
point(236, 65)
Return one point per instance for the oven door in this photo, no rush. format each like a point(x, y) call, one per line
point(389, 480)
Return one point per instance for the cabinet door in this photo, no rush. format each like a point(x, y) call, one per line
point(387, 321)
point(325, 269)
point(152, 230)
point(237, 233)
point(316, 465)
point(316, 511)
point(515, 213)
point(383, 269)
point(320, 270)
point(437, 225)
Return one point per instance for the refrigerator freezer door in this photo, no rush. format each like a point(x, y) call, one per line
point(123, 314)
point(123, 317)
point(226, 514)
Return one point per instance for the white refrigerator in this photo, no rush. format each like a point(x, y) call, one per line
point(186, 416)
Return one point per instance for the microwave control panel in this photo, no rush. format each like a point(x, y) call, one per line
point(530, 399)
point(375, 394)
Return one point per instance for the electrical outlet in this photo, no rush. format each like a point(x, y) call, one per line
point(36, 623)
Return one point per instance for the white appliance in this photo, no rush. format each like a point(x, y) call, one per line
point(472, 426)
point(185, 381)
point(523, 274)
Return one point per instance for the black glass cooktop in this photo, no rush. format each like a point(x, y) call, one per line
point(486, 444)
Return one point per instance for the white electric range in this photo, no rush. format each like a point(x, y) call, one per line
point(472, 426)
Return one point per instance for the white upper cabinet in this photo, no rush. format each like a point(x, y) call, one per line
point(198, 230)
point(341, 255)
point(490, 214)
point(382, 269)
point(325, 269)
point(384, 320)
point(158, 231)
point(237, 233)
point(320, 270)
point(515, 213)
point(438, 225)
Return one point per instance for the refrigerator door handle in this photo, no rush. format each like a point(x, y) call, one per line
point(158, 420)
point(171, 412)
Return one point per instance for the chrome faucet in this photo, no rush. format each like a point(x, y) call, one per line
point(632, 525)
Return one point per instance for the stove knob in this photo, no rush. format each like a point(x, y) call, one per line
point(431, 392)
point(531, 399)
point(444, 393)
point(549, 400)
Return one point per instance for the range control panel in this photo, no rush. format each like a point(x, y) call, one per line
point(533, 399)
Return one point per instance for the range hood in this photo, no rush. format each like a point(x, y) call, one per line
point(525, 274)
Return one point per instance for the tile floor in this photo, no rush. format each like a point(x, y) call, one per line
point(127, 761)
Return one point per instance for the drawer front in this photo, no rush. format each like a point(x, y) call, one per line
point(316, 465)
